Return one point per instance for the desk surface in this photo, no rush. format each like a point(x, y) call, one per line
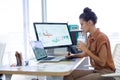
point(50, 69)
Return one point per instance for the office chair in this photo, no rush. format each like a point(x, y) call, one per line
point(2, 49)
point(116, 58)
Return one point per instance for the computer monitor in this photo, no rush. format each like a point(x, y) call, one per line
point(53, 35)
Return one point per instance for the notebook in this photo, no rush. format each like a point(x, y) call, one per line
point(41, 55)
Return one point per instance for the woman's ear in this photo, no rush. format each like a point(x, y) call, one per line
point(90, 22)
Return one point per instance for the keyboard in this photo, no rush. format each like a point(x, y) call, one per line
point(58, 58)
point(48, 58)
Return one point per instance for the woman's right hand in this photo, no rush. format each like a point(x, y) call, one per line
point(69, 55)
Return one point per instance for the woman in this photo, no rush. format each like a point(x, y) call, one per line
point(97, 48)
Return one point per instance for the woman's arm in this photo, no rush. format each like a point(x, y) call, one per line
point(81, 55)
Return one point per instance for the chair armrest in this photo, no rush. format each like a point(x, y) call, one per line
point(111, 75)
point(89, 67)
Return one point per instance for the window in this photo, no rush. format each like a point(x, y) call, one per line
point(34, 15)
point(11, 27)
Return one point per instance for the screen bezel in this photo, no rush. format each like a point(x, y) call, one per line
point(46, 23)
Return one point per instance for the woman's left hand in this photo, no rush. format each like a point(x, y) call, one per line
point(82, 46)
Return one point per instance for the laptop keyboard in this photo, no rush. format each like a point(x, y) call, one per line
point(49, 58)
point(58, 58)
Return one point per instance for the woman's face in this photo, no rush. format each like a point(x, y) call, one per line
point(84, 25)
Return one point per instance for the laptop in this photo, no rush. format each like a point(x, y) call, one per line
point(41, 55)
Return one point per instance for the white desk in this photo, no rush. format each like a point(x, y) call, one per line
point(46, 69)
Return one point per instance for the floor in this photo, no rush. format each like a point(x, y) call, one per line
point(22, 77)
point(27, 77)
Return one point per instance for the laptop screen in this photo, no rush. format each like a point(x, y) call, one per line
point(38, 49)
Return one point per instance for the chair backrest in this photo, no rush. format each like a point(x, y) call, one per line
point(2, 49)
point(116, 57)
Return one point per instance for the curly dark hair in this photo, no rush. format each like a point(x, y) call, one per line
point(88, 14)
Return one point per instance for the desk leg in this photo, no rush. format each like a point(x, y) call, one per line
point(8, 76)
point(54, 78)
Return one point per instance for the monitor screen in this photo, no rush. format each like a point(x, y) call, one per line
point(53, 34)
